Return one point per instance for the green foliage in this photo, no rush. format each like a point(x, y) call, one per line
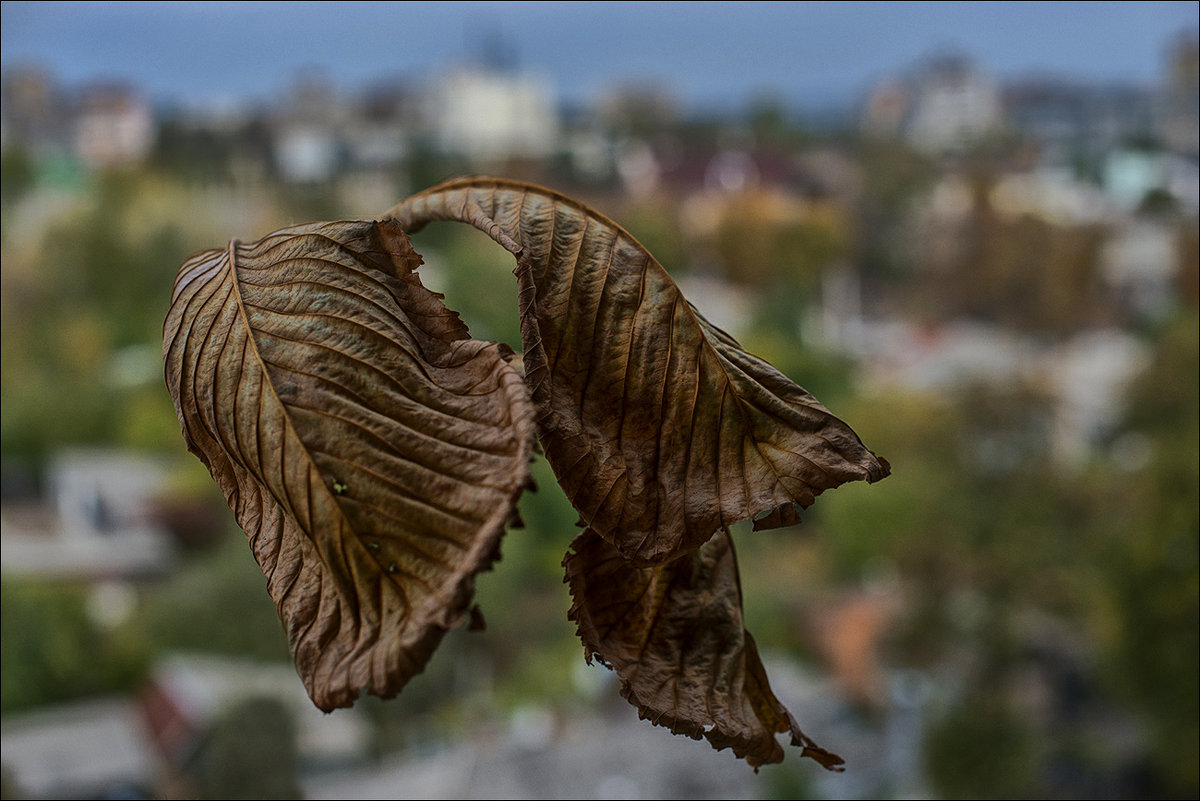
point(893, 176)
point(250, 753)
point(218, 603)
point(54, 652)
point(988, 532)
point(1150, 558)
point(208, 155)
point(477, 280)
point(772, 125)
point(765, 240)
point(657, 228)
point(981, 750)
point(17, 176)
point(75, 310)
point(522, 599)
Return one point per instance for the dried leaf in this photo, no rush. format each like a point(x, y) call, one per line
point(659, 427)
point(674, 633)
point(369, 448)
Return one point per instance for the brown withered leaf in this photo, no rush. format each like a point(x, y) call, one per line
point(660, 428)
point(674, 633)
point(371, 450)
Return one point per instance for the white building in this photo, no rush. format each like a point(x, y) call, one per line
point(954, 105)
point(103, 524)
point(114, 126)
point(488, 115)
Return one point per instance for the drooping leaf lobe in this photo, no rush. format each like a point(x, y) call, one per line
point(674, 633)
point(369, 448)
point(659, 427)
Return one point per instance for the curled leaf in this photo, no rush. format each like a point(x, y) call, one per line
point(659, 427)
point(674, 633)
point(371, 450)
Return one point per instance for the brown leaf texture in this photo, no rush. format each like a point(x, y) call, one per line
point(659, 427)
point(371, 450)
point(675, 636)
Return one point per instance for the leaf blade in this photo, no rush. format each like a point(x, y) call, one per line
point(659, 426)
point(674, 633)
point(371, 450)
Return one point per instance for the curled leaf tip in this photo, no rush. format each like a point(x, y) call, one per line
point(675, 636)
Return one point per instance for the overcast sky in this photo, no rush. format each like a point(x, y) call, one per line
point(709, 54)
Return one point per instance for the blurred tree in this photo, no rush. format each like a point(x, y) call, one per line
point(767, 237)
point(893, 176)
point(982, 750)
point(477, 281)
point(773, 127)
point(17, 176)
point(656, 226)
point(54, 652)
point(250, 752)
point(197, 154)
point(1028, 273)
point(82, 321)
point(1040, 589)
point(218, 603)
point(1149, 621)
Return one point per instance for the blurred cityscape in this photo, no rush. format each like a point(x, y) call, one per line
point(994, 282)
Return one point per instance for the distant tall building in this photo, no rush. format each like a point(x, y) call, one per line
point(954, 106)
point(947, 104)
point(305, 140)
point(488, 115)
point(1179, 116)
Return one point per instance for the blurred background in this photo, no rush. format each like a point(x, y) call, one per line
point(970, 230)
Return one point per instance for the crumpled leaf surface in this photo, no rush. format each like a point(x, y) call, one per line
point(369, 448)
point(659, 427)
point(675, 636)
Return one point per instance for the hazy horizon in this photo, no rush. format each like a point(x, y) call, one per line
point(706, 54)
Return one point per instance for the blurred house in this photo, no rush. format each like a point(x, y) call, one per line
point(488, 115)
point(481, 114)
point(1070, 122)
point(955, 105)
point(1131, 176)
point(98, 523)
point(100, 126)
point(1053, 194)
point(947, 105)
point(1081, 381)
point(90, 749)
point(1179, 110)
point(306, 142)
point(206, 726)
point(1088, 377)
point(636, 110)
point(1140, 264)
point(188, 696)
point(384, 120)
point(885, 109)
point(114, 126)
